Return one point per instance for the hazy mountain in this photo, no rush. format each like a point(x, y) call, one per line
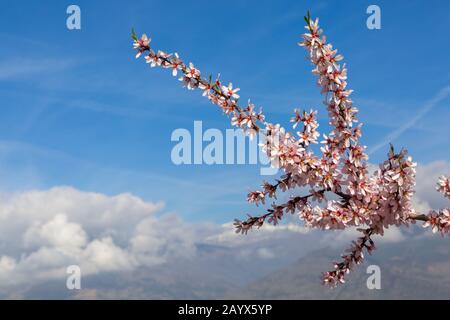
point(416, 269)
point(410, 269)
point(214, 271)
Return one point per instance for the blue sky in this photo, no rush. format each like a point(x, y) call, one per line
point(77, 109)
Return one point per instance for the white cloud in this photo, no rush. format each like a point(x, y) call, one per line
point(104, 255)
point(58, 232)
point(227, 235)
point(427, 177)
point(343, 238)
point(43, 232)
point(156, 240)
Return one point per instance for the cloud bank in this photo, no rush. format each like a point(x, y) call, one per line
point(42, 232)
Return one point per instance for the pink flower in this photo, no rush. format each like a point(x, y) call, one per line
point(297, 118)
point(230, 92)
point(256, 197)
point(443, 186)
point(176, 64)
point(308, 137)
point(192, 72)
point(445, 219)
point(141, 44)
point(342, 193)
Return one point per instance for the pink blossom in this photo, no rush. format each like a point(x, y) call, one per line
point(342, 193)
point(443, 186)
point(230, 92)
point(192, 72)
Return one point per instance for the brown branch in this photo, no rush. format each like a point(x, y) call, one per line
point(420, 217)
point(244, 226)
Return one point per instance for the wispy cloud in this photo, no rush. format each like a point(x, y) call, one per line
point(441, 95)
point(16, 68)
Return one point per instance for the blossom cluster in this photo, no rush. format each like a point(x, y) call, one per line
point(443, 186)
point(439, 221)
point(224, 96)
point(354, 256)
point(341, 193)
